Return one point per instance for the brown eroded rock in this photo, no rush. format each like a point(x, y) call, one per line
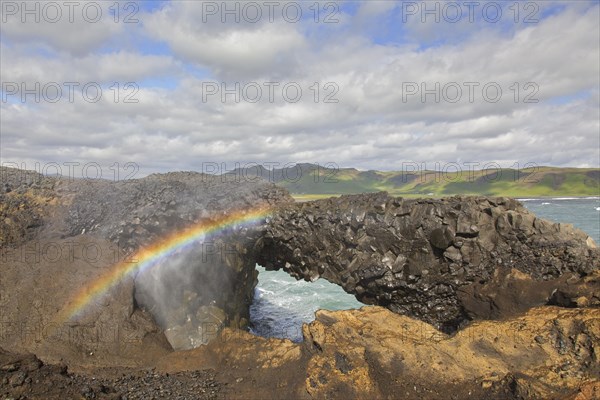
point(547, 353)
point(255, 367)
point(22, 213)
point(40, 279)
point(588, 391)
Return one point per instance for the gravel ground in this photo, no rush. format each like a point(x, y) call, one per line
point(26, 377)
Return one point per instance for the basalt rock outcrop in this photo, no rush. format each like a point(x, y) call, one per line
point(443, 261)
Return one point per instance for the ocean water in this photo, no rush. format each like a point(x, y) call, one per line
point(583, 213)
point(282, 304)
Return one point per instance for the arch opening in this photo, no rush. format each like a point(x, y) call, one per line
point(282, 304)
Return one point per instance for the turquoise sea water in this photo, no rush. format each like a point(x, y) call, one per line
point(282, 304)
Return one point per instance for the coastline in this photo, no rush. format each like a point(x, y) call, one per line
point(302, 197)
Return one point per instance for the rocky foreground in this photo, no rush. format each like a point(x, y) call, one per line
point(25, 376)
point(548, 353)
point(480, 298)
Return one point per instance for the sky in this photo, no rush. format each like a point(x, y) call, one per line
point(155, 86)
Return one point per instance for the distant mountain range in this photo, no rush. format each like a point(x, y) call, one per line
point(314, 181)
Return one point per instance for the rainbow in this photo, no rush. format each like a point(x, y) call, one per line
point(152, 255)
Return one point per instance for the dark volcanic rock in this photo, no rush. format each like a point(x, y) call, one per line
point(444, 261)
point(24, 196)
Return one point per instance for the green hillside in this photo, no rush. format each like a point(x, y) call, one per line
point(310, 181)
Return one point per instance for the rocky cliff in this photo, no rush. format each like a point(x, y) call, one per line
point(443, 261)
point(459, 264)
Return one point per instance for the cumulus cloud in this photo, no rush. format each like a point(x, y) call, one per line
point(76, 28)
point(121, 66)
point(376, 117)
point(195, 31)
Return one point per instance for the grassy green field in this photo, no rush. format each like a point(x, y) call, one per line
point(314, 183)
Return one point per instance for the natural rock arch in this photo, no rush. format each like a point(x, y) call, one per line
point(444, 261)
